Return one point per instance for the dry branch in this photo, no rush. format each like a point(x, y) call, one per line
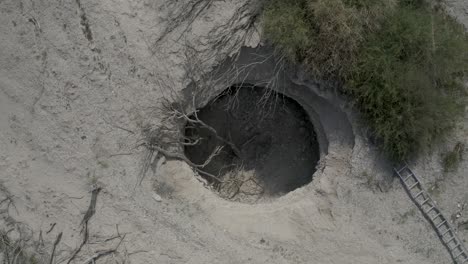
point(92, 205)
point(100, 254)
point(57, 241)
point(89, 213)
point(196, 120)
point(51, 228)
point(83, 242)
point(182, 157)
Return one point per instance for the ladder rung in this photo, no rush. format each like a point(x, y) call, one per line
point(439, 225)
point(402, 168)
point(450, 240)
point(459, 254)
point(435, 217)
point(419, 193)
point(446, 231)
point(407, 177)
point(457, 245)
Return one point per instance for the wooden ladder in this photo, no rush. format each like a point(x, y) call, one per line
point(439, 222)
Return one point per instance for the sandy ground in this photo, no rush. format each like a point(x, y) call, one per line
point(79, 81)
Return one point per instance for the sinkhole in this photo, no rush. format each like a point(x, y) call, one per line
point(252, 143)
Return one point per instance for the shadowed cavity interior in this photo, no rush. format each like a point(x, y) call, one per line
point(267, 143)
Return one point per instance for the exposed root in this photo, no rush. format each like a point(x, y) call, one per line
point(16, 239)
point(237, 182)
point(57, 241)
point(182, 157)
point(103, 253)
point(84, 223)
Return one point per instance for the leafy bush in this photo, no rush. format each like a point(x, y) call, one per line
point(405, 81)
point(401, 62)
point(286, 26)
point(323, 34)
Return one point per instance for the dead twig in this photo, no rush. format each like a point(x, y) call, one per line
point(212, 130)
point(190, 12)
point(51, 228)
point(9, 203)
point(57, 241)
point(92, 205)
point(100, 254)
point(182, 157)
point(89, 213)
point(118, 127)
point(232, 186)
point(83, 242)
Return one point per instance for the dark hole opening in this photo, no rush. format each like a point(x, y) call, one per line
point(269, 146)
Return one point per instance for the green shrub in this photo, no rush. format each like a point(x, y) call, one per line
point(324, 35)
point(405, 81)
point(335, 38)
point(401, 62)
point(286, 26)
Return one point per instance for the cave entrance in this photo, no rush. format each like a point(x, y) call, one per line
point(254, 143)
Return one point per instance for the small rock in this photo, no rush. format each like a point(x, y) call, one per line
point(157, 198)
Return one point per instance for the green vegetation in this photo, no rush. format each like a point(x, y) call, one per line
point(452, 159)
point(288, 28)
point(402, 62)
